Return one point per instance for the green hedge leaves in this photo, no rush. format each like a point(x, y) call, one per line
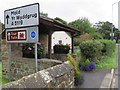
point(94, 49)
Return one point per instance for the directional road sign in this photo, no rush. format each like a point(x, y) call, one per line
point(22, 16)
point(22, 35)
point(17, 35)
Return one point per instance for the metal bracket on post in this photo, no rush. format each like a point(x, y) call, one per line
point(9, 51)
point(36, 61)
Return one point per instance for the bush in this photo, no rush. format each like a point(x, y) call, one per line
point(61, 49)
point(78, 76)
point(82, 38)
point(79, 79)
point(96, 35)
point(108, 47)
point(71, 59)
point(91, 49)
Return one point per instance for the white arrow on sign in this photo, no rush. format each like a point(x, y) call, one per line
point(8, 36)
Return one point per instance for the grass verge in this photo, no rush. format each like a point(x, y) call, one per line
point(2, 79)
point(0, 73)
point(76, 49)
point(108, 62)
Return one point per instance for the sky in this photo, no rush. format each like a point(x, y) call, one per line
point(70, 10)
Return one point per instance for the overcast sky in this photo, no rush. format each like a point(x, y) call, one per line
point(69, 10)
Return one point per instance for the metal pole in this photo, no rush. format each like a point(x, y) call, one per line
point(36, 61)
point(112, 22)
point(9, 50)
point(112, 19)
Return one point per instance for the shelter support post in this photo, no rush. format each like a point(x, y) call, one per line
point(72, 43)
point(49, 44)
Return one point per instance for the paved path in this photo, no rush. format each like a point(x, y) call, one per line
point(116, 78)
point(94, 79)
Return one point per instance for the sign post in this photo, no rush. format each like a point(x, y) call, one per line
point(9, 50)
point(36, 63)
point(21, 26)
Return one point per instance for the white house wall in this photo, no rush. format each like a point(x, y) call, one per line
point(61, 35)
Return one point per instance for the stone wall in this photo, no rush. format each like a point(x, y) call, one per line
point(25, 66)
point(4, 50)
point(63, 57)
point(59, 76)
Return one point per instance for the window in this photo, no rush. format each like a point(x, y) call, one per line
point(60, 41)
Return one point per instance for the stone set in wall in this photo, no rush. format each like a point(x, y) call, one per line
point(4, 50)
point(59, 76)
point(62, 57)
point(25, 66)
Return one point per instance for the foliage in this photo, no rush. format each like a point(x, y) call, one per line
point(76, 49)
point(61, 20)
point(108, 47)
point(44, 14)
point(0, 73)
point(86, 37)
point(2, 27)
point(82, 38)
point(117, 35)
point(91, 49)
point(78, 76)
point(29, 48)
point(60, 48)
point(96, 35)
point(81, 24)
point(105, 29)
point(71, 59)
point(2, 79)
point(78, 79)
point(108, 61)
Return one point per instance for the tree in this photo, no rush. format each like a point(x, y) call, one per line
point(105, 29)
point(61, 20)
point(117, 35)
point(82, 24)
point(44, 14)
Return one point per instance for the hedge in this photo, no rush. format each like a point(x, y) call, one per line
point(97, 48)
point(108, 47)
point(91, 49)
point(61, 49)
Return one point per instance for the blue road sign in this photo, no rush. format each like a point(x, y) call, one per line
point(33, 34)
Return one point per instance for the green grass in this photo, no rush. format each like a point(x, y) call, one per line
point(0, 73)
point(108, 62)
point(105, 61)
point(76, 49)
point(2, 79)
